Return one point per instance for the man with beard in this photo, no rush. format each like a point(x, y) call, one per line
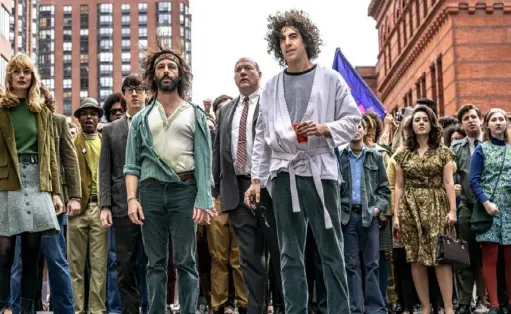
point(85, 234)
point(168, 155)
point(470, 119)
point(114, 209)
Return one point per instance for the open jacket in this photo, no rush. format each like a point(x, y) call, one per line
point(85, 171)
point(10, 179)
point(374, 192)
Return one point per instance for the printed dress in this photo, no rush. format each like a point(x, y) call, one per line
point(424, 206)
point(500, 231)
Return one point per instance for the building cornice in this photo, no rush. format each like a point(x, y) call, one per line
point(373, 8)
point(425, 34)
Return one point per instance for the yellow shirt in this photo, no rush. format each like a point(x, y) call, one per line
point(93, 146)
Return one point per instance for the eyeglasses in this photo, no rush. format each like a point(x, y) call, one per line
point(26, 72)
point(116, 111)
point(129, 90)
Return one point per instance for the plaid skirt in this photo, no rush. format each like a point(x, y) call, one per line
point(28, 209)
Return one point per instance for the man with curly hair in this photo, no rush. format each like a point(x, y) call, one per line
point(168, 154)
point(306, 111)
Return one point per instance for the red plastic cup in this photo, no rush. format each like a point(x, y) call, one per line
point(300, 138)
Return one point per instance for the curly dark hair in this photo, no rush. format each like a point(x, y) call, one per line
point(449, 131)
point(374, 126)
point(148, 67)
point(110, 101)
point(300, 22)
point(435, 134)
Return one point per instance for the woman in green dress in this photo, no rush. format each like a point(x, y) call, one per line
point(425, 202)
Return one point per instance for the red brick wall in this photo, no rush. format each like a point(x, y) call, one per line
point(471, 39)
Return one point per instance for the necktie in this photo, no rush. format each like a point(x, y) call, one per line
point(241, 155)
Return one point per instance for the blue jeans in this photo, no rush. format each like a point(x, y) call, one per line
point(366, 240)
point(113, 300)
point(54, 250)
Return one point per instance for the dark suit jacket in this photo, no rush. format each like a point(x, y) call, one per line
point(67, 159)
point(112, 185)
point(226, 182)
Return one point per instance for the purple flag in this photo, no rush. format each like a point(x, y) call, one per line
point(363, 95)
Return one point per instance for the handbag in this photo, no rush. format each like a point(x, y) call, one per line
point(481, 221)
point(451, 251)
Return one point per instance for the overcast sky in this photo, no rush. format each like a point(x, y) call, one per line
point(225, 30)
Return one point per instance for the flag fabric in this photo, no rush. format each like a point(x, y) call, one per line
point(363, 95)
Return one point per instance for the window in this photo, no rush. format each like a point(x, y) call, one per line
point(68, 46)
point(182, 32)
point(84, 9)
point(104, 93)
point(68, 9)
point(106, 44)
point(67, 83)
point(84, 32)
point(126, 68)
point(126, 44)
point(105, 8)
point(181, 18)
point(4, 24)
point(432, 70)
point(126, 32)
point(142, 19)
point(423, 85)
point(105, 19)
point(106, 57)
point(104, 31)
point(84, 94)
point(142, 32)
point(84, 58)
point(47, 8)
point(440, 85)
point(181, 7)
point(66, 58)
point(126, 19)
point(125, 7)
point(164, 19)
point(126, 56)
point(164, 6)
point(50, 83)
point(143, 42)
point(142, 7)
point(68, 72)
point(106, 68)
point(106, 81)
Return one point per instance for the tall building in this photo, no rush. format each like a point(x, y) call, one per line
point(5, 47)
point(455, 52)
point(101, 42)
point(23, 27)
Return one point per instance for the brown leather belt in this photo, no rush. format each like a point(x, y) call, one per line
point(93, 199)
point(187, 176)
point(356, 207)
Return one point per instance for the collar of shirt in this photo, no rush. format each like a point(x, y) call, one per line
point(352, 154)
point(252, 97)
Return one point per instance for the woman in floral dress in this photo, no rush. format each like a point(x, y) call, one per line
point(490, 180)
point(425, 202)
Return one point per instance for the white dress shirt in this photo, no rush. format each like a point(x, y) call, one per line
point(253, 99)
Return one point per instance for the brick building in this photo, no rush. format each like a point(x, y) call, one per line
point(87, 47)
point(5, 47)
point(455, 52)
point(24, 27)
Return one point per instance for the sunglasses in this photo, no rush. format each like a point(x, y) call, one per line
point(116, 111)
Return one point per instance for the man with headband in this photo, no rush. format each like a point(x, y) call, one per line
point(169, 152)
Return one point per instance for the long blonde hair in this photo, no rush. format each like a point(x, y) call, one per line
point(8, 99)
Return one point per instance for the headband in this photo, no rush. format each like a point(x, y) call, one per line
point(370, 121)
point(169, 56)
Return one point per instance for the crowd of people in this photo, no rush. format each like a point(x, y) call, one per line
point(283, 199)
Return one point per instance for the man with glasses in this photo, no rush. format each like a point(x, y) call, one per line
point(113, 199)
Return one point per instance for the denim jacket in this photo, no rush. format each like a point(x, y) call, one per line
point(375, 191)
point(142, 160)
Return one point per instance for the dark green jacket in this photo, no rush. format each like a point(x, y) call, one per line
point(375, 190)
point(462, 158)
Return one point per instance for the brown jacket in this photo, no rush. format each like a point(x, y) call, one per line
point(48, 167)
point(85, 172)
point(66, 157)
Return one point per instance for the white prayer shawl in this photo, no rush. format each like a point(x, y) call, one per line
point(276, 147)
